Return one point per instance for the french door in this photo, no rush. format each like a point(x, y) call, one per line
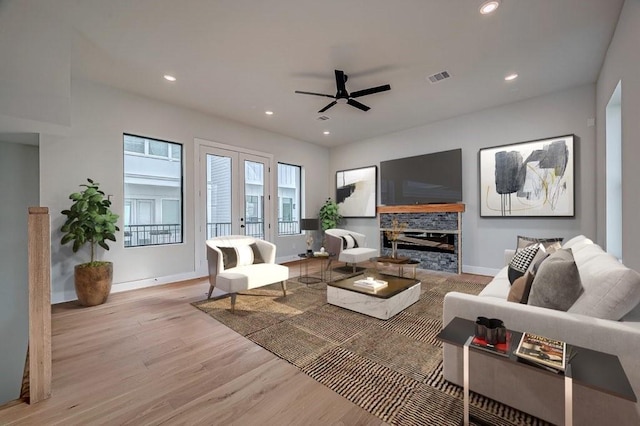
point(234, 194)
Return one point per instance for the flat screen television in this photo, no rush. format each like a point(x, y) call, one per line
point(423, 179)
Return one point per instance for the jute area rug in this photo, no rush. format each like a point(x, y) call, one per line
point(393, 368)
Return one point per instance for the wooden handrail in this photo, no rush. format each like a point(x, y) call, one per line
point(39, 304)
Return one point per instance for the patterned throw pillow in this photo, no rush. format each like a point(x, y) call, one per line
point(349, 242)
point(240, 256)
point(522, 260)
point(550, 244)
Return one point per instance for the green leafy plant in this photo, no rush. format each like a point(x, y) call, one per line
point(89, 220)
point(329, 215)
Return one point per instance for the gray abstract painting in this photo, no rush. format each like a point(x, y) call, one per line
point(528, 179)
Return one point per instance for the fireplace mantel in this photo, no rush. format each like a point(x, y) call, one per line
point(441, 223)
point(423, 208)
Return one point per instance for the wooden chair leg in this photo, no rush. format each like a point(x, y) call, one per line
point(284, 288)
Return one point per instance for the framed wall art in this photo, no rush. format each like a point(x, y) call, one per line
point(527, 179)
point(357, 192)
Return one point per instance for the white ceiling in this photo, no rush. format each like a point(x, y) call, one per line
point(238, 58)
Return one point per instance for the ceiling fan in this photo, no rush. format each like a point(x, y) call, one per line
point(343, 97)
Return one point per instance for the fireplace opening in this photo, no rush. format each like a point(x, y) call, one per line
point(423, 241)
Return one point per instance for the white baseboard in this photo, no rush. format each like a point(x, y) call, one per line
point(151, 282)
point(286, 259)
point(479, 270)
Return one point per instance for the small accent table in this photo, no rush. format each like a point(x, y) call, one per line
point(594, 369)
point(306, 258)
point(400, 262)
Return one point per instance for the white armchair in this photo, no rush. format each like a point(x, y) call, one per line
point(348, 246)
point(238, 263)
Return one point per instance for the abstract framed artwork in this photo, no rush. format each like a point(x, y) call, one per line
point(357, 192)
point(528, 179)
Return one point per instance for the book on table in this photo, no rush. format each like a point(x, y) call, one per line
point(370, 283)
point(498, 348)
point(543, 351)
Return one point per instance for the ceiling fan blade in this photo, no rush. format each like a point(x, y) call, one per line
point(315, 94)
point(328, 106)
point(370, 91)
point(340, 82)
point(358, 105)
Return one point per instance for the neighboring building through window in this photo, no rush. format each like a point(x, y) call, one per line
point(152, 192)
point(289, 188)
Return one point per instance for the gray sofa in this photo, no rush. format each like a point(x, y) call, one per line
point(610, 290)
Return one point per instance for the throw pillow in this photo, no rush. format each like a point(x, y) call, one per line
point(519, 291)
point(557, 284)
point(229, 257)
point(349, 242)
point(521, 261)
point(550, 244)
point(257, 256)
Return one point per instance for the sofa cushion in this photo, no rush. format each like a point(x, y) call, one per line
point(519, 291)
point(557, 284)
point(550, 244)
point(522, 260)
point(611, 289)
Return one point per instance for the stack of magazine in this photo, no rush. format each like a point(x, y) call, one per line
point(370, 283)
point(542, 351)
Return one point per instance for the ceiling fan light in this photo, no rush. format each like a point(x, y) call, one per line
point(489, 7)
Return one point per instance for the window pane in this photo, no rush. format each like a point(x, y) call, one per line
point(153, 194)
point(289, 188)
point(133, 144)
point(254, 195)
point(160, 149)
point(176, 151)
point(218, 195)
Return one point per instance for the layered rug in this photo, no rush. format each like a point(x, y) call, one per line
point(393, 368)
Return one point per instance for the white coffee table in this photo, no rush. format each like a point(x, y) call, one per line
point(383, 304)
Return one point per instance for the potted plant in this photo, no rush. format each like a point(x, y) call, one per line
point(90, 220)
point(329, 215)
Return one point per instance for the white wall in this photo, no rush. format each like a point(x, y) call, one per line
point(622, 63)
point(484, 239)
point(19, 190)
point(94, 148)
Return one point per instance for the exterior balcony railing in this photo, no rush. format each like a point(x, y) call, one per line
point(155, 234)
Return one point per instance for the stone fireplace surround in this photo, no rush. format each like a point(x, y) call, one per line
point(429, 231)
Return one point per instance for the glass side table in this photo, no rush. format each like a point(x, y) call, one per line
point(308, 257)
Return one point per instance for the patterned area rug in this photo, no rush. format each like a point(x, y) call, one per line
point(393, 368)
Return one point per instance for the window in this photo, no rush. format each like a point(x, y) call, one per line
point(152, 192)
point(289, 186)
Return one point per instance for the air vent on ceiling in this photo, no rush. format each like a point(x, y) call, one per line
point(323, 118)
point(436, 78)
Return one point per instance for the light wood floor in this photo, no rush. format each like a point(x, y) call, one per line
point(148, 357)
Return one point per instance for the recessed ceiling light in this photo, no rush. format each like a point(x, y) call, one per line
point(326, 132)
point(269, 112)
point(169, 77)
point(511, 77)
point(489, 6)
